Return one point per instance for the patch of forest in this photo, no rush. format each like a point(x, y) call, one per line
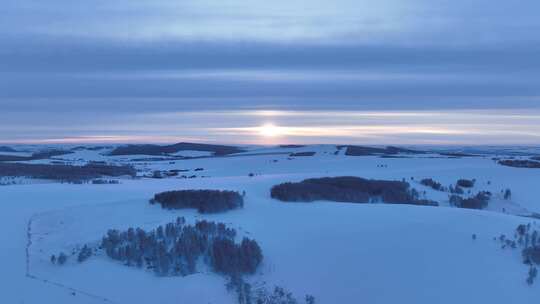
point(7, 149)
point(478, 201)
point(520, 163)
point(458, 154)
point(180, 249)
point(90, 148)
point(7, 158)
point(35, 156)
point(369, 151)
point(457, 188)
point(348, 189)
point(310, 153)
point(65, 173)
point(291, 146)
point(205, 201)
point(218, 150)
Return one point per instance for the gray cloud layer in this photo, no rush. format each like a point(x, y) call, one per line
point(140, 57)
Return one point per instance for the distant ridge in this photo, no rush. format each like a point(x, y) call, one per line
point(148, 149)
point(7, 149)
point(35, 156)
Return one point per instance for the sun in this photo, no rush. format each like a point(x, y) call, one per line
point(269, 130)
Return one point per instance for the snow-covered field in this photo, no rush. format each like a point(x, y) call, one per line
point(338, 252)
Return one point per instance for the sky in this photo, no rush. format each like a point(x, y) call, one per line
point(266, 72)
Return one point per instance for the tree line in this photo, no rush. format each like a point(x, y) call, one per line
point(65, 173)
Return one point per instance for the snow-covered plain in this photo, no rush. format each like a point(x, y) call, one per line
point(338, 252)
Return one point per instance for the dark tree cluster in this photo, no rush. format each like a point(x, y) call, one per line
point(170, 173)
point(90, 148)
point(300, 154)
point(479, 201)
point(279, 295)
point(218, 150)
point(429, 182)
point(49, 153)
point(347, 189)
point(84, 254)
point(263, 295)
point(456, 190)
point(291, 146)
point(507, 194)
point(205, 201)
point(65, 173)
point(230, 258)
point(61, 259)
point(7, 149)
point(457, 154)
point(105, 181)
point(9, 180)
point(465, 183)
point(455, 200)
point(176, 248)
point(520, 163)
point(528, 240)
point(154, 159)
point(369, 151)
point(35, 156)
point(425, 202)
point(6, 158)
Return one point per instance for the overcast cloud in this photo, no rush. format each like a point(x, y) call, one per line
point(125, 57)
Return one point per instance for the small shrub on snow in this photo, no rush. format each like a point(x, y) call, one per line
point(62, 258)
point(432, 184)
point(456, 189)
point(533, 272)
point(84, 254)
point(507, 194)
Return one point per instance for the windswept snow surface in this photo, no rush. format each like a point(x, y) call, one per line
point(339, 252)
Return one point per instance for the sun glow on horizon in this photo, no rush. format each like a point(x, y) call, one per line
point(299, 127)
point(270, 130)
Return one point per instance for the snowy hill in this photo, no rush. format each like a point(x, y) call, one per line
point(338, 252)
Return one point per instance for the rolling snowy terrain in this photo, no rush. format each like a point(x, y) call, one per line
point(338, 252)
